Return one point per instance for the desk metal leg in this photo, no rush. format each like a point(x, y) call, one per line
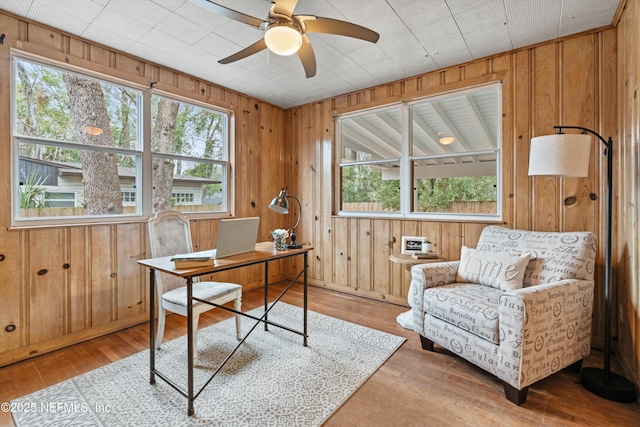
point(190, 348)
point(305, 300)
point(152, 326)
point(266, 295)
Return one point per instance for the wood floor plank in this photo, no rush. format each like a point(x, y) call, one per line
point(413, 388)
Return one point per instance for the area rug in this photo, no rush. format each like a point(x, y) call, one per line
point(272, 380)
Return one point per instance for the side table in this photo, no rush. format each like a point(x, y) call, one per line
point(405, 319)
point(410, 261)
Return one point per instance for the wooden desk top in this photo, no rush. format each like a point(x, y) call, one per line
point(264, 252)
point(409, 260)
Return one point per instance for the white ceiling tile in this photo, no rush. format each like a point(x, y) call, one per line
point(107, 38)
point(414, 62)
point(356, 77)
point(485, 41)
point(416, 15)
point(72, 16)
point(401, 43)
point(119, 22)
point(183, 29)
point(489, 15)
point(61, 21)
point(461, 6)
point(145, 12)
point(219, 46)
point(367, 56)
point(171, 5)
point(160, 40)
point(19, 7)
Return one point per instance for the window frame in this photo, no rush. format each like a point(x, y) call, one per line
point(225, 162)
point(407, 191)
point(143, 153)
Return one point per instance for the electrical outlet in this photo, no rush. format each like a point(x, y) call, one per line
point(620, 314)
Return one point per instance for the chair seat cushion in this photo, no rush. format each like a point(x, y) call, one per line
point(469, 306)
point(203, 290)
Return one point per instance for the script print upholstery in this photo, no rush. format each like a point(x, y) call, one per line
point(542, 327)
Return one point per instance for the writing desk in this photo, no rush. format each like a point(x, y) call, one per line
point(262, 255)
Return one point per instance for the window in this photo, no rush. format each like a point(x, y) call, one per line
point(435, 157)
point(193, 160)
point(60, 200)
point(183, 198)
point(128, 197)
point(79, 154)
point(371, 146)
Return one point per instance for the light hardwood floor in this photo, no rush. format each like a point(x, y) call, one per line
point(413, 388)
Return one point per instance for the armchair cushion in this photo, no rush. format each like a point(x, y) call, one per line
point(469, 306)
point(498, 270)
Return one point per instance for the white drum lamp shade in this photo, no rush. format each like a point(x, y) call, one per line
point(560, 155)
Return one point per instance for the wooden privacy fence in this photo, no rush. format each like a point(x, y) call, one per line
point(127, 210)
point(455, 207)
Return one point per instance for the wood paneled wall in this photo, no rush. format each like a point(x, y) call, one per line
point(91, 283)
point(627, 183)
point(570, 81)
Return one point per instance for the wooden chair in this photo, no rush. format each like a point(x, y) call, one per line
point(169, 234)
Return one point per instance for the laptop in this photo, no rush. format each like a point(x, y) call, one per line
point(236, 236)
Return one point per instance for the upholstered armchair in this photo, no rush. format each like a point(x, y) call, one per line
point(519, 305)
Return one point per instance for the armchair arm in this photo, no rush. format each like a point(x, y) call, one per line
point(424, 276)
point(543, 329)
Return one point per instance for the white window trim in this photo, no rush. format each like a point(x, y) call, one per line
point(406, 182)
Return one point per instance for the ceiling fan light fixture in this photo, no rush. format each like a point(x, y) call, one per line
point(283, 38)
point(447, 140)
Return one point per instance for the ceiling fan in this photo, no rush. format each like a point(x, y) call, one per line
point(286, 33)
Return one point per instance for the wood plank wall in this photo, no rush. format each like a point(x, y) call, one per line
point(627, 183)
point(570, 81)
point(92, 283)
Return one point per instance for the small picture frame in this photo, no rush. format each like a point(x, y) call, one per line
point(412, 244)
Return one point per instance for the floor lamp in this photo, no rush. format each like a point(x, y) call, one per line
point(280, 204)
point(568, 155)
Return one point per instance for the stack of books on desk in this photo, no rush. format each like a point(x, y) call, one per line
point(194, 259)
point(425, 255)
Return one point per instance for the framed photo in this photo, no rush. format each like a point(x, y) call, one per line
point(412, 244)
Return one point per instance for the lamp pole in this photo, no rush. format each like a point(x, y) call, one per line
point(293, 244)
point(603, 382)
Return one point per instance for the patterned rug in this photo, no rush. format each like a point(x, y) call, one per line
point(272, 380)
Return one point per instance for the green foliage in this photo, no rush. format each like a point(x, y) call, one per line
point(32, 193)
point(364, 184)
point(435, 194)
point(43, 110)
point(198, 133)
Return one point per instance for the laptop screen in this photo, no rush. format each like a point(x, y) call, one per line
point(236, 236)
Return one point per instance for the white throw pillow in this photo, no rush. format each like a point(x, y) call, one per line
point(498, 270)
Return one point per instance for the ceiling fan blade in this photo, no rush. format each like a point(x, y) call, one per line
point(247, 51)
point(229, 13)
point(316, 24)
point(284, 7)
point(308, 58)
